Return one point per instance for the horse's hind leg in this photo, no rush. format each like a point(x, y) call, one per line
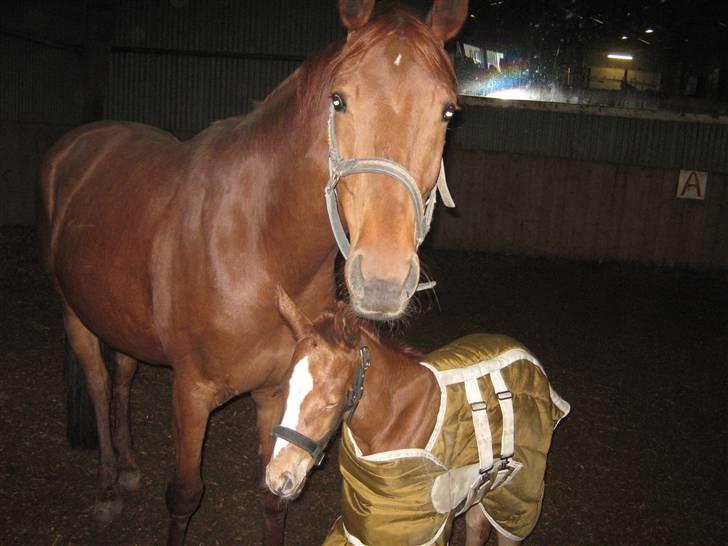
point(129, 476)
point(477, 529)
point(86, 346)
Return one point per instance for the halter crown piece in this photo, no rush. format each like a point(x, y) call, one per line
point(339, 168)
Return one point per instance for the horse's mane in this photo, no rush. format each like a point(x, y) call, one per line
point(314, 78)
point(330, 329)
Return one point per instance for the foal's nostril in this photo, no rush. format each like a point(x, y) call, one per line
point(287, 485)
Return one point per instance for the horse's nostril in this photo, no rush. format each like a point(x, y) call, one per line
point(356, 278)
point(287, 485)
point(410, 283)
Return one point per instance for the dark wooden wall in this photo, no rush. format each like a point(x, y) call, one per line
point(543, 206)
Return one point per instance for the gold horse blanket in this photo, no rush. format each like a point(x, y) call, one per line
point(489, 446)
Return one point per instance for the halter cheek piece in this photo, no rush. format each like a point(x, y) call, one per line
point(317, 448)
point(339, 168)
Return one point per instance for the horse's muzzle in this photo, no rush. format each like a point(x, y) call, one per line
point(380, 299)
point(283, 485)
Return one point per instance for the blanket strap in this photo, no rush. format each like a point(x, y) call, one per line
point(505, 401)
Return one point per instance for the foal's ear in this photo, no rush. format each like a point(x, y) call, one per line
point(346, 324)
point(355, 14)
point(447, 17)
point(299, 323)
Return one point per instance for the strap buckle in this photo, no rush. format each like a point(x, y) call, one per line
point(478, 406)
point(504, 395)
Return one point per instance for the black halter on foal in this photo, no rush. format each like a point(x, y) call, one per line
point(317, 448)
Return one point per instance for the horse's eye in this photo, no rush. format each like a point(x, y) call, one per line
point(448, 112)
point(338, 102)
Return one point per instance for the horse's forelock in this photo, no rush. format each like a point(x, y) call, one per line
point(318, 72)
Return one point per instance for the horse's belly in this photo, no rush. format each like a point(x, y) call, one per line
point(109, 295)
point(103, 230)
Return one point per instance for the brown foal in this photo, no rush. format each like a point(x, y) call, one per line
point(397, 410)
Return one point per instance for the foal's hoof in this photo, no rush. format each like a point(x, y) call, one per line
point(107, 510)
point(130, 480)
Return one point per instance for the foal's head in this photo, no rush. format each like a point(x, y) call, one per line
point(392, 90)
point(323, 368)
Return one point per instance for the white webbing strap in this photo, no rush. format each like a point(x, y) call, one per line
point(505, 400)
point(481, 425)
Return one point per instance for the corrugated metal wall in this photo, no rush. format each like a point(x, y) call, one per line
point(272, 27)
point(184, 93)
point(171, 70)
point(634, 141)
point(40, 83)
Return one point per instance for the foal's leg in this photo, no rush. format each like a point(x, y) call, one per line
point(129, 476)
point(477, 529)
point(191, 407)
point(86, 346)
point(477, 526)
point(269, 405)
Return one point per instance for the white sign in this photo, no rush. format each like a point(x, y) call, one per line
point(692, 184)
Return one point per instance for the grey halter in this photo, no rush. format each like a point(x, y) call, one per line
point(339, 168)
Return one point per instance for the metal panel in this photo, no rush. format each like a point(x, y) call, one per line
point(634, 141)
point(40, 83)
point(279, 27)
point(187, 93)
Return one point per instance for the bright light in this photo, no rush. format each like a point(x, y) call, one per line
point(512, 94)
point(624, 37)
point(649, 31)
point(620, 56)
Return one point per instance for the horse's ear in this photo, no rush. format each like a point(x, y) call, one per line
point(346, 324)
point(447, 17)
point(355, 14)
point(299, 323)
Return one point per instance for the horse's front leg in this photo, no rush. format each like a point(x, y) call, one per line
point(191, 406)
point(269, 404)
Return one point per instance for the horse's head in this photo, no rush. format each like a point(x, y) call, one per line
point(323, 368)
point(392, 92)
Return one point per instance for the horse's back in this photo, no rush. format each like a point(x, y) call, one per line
point(72, 160)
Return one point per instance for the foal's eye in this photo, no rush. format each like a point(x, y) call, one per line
point(338, 102)
point(332, 405)
point(448, 112)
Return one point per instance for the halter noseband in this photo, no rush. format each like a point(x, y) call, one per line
point(317, 448)
point(339, 168)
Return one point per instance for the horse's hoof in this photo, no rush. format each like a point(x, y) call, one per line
point(130, 480)
point(105, 511)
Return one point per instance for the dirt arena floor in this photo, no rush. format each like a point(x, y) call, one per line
point(641, 353)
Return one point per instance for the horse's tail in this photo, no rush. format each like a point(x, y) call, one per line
point(82, 431)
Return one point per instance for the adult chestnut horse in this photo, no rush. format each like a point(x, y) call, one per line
point(170, 251)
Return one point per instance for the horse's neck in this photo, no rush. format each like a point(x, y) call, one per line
point(400, 402)
point(275, 164)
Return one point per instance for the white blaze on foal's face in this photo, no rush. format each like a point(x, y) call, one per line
point(299, 386)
